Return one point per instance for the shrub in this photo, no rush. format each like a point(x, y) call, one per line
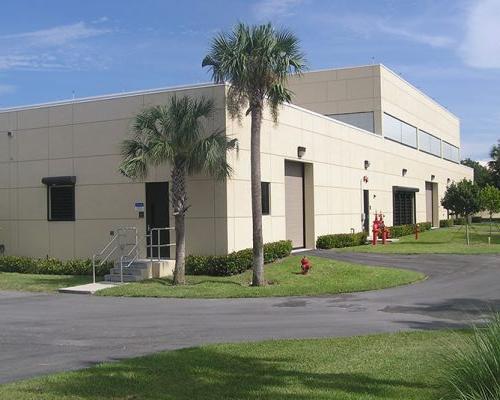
point(472, 368)
point(341, 240)
point(236, 262)
point(459, 221)
point(424, 226)
point(445, 223)
point(477, 219)
point(50, 266)
point(405, 230)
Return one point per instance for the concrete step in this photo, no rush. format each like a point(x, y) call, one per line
point(126, 278)
point(143, 272)
point(136, 264)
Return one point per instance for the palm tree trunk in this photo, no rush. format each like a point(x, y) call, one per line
point(179, 205)
point(258, 245)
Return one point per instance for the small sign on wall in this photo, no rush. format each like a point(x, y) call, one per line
point(139, 206)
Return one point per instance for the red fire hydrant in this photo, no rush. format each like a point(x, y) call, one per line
point(375, 230)
point(383, 228)
point(417, 230)
point(305, 265)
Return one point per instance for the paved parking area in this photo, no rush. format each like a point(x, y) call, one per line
point(44, 333)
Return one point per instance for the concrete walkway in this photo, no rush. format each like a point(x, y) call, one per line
point(43, 333)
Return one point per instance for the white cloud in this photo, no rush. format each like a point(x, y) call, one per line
point(419, 37)
point(269, 9)
point(414, 29)
point(59, 35)
point(56, 48)
point(481, 45)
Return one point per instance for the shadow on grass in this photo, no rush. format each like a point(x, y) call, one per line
point(202, 373)
point(170, 282)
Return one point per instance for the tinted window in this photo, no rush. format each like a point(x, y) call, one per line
point(400, 131)
point(61, 203)
point(429, 143)
point(363, 120)
point(266, 198)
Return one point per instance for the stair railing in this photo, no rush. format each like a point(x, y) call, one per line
point(126, 260)
point(114, 244)
point(156, 232)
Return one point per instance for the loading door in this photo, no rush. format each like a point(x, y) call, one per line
point(157, 217)
point(403, 206)
point(294, 203)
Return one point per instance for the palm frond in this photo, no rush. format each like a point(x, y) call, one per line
point(134, 164)
point(256, 61)
point(209, 154)
point(176, 133)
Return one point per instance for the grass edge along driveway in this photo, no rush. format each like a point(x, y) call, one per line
point(386, 366)
point(39, 282)
point(326, 277)
point(438, 241)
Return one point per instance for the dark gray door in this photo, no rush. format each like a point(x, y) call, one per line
point(157, 216)
point(429, 202)
point(366, 210)
point(294, 203)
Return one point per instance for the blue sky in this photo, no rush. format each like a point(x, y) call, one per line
point(448, 48)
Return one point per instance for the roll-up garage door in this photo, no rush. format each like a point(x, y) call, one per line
point(294, 202)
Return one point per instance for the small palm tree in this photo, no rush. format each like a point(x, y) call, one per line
point(256, 61)
point(172, 134)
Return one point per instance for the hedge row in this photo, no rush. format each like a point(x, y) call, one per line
point(236, 262)
point(404, 230)
point(459, 221)
point(341, 240)
point(445, 223)
point(50, 266)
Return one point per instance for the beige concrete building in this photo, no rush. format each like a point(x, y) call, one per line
point(356, 141)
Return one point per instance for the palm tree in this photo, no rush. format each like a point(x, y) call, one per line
point(256, 61)
point(172, 134)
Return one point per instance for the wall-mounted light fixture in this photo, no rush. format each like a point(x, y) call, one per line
point(404, 172)
point(367, 164)
point(9, 134)
point(301, 151)
point(448, 181)
point(433, 177)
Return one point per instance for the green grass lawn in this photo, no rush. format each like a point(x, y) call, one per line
point(443, 240)
point(391, 366)
point(326, 277)
point(39, 283)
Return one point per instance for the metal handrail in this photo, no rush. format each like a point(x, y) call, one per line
point(116, 235)
point(158, 246)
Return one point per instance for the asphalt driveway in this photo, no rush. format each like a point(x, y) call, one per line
point(44, 333)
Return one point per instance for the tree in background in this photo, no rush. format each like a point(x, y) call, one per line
point(482, 175)
point(494, 164)
point(256, 61)
point(490, 201)
point(463, 199)
point(172, 134)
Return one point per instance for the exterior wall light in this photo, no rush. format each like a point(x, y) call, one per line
point(404, 171)
point(433, 177)
point(9, 134)
point(448, 181)
point(367, 164)
point(301, 151)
